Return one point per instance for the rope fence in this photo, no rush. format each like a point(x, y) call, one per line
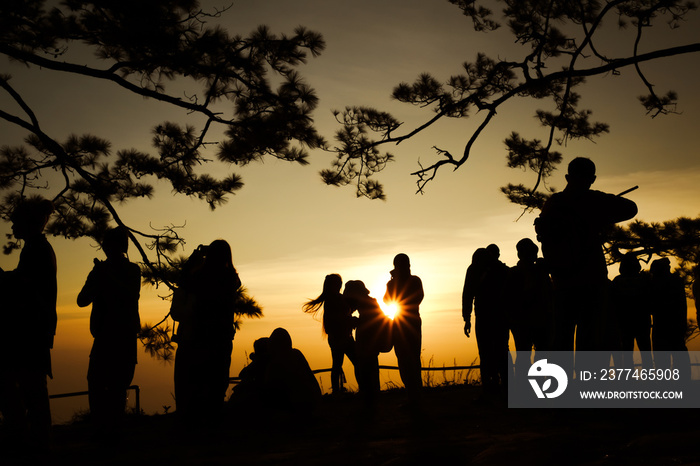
point(135, 388)
point(235, 380)
point(426, 369)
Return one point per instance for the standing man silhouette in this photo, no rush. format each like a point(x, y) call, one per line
point(670, 314)
point(696, 292)
point(406, 291)
point(483, 292)
point(631, 301)
point(570, 228)
point(528, 300)
point(113, 288)
point(28, 327)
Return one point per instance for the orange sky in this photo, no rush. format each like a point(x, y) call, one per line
point(288, 230)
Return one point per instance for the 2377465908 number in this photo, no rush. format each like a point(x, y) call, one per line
point(639, 374)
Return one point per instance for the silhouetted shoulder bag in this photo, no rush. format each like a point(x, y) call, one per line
point(182, 310)
point(382, 332)
point(182, 305)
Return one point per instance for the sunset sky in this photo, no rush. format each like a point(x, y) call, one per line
point(288, 230)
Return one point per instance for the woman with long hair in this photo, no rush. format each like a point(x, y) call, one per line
point(205, 332)
point(337, 325)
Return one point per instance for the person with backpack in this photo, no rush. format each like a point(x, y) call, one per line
point(373, 336)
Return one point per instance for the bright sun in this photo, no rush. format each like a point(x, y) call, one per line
point(389, 309)
point(378, 292)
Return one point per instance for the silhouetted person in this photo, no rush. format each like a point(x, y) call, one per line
point(630, 299)
point(373, 336)
point(670, 318)
point(482, 291)
point(249, 393)
point(27, 329)
point(570, 228)
point(696, 292)
point(290, 385)
point(529, 307)
point(337, 325)
point(475, 271)
point(494, 250)
point(205, 336)
point(113, 288)
point(406, 291)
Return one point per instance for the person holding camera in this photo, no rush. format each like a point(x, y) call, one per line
point(406, 292)
point(204, 306)
point(113, 288)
